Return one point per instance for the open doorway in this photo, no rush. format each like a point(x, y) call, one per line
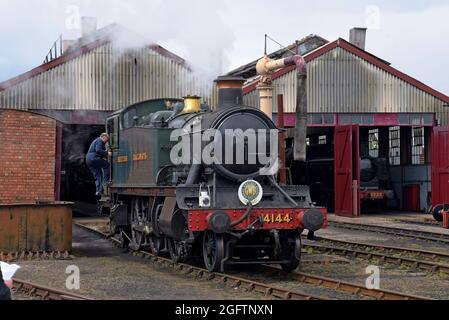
point(376, 180)
point(77, 182)
point(318, 171)
point(395, 169)
point(387, 167)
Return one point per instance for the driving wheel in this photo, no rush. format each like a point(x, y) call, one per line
point(213, 251)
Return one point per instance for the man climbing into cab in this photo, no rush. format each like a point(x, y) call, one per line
point(96, 160)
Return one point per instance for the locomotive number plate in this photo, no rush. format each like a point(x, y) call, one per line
point(277, 218)
point(377, 195)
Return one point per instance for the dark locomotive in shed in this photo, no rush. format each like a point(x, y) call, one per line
point(223, 213)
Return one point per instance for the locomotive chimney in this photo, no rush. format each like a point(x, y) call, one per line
point(230, 91)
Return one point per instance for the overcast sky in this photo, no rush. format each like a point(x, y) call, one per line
point(413, 35)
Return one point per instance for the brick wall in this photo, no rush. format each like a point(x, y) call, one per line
point(27, 157)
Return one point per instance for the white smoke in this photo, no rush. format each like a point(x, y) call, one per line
point(194, 30)
point(409, 34)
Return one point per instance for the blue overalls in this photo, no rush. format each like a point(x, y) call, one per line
point(97, 165)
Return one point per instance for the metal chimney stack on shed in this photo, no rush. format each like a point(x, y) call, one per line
point(357, 36)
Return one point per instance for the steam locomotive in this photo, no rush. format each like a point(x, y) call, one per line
point(223, 212)
point(375, 183)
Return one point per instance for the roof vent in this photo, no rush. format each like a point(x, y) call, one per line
point(357, 36)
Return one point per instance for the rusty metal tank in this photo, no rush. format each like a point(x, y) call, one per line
point(36, 227)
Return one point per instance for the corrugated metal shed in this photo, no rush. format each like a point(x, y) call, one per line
point(343, 80)
point(104, 77)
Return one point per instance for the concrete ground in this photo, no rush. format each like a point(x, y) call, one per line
point(108, 273)
point(405, 220)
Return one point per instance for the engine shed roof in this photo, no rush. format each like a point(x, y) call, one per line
point(87, 44)
point(370, 58)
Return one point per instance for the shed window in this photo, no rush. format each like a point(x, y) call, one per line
point(322, 140)
point(418, 152)
point(357, 118)
point(321, 118)
point(128, 118)
point(367, 119)
point(374, 143)
point(329, 118)
point(113, 130)
point(345, 119)
point(395, 146)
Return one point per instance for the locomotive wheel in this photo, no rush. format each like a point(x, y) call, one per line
point(155, 245)
point(213, 251)
point(124, 236)
point(176, 250)
point(113, 230)
point(138, 238)
point(155, 220)
point(291, 252)
point(436, 212)
point(156, 241)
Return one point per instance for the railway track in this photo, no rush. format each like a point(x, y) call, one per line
point(43, 292)
point(270, 290)
point(347, 287)
point(427, 222)
point(387, 254)
point(415, 234)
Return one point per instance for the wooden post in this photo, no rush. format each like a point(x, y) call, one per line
point(355, 198)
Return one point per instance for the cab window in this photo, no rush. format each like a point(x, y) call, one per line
point(113, 130)
point(129, 118)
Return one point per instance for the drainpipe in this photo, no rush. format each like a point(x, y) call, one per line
point(265, 67)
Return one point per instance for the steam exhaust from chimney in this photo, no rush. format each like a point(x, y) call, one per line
point(88, 25)
point(66, 44)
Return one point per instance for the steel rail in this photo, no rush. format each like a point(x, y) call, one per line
point(426, 222)
point(44, 292)
point(348, 287)
point(310, 279)
point(385, 258)
point(266, 289)
point(428, 254)
point(415, 234)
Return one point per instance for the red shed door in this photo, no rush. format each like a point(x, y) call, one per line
point(440, 165)
point(347, 171)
